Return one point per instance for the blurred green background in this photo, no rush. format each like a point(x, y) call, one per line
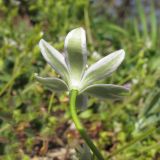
point(35, 123)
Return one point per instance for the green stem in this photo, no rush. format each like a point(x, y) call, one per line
point(79, 126)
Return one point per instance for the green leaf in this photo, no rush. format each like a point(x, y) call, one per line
point(147, 121)
point(106, 91)
point(151, 104)
point(84, 152)
point(54, 59)
point(76, 52)
point(142, 15)
point(103, 67)
point(52, 83)
point(81, 102)
point(154, 29)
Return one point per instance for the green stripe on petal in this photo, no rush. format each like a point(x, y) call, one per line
point(106, 91)
point(103, 67)
point(54, 58)
point(52, 83)
point(76, 52)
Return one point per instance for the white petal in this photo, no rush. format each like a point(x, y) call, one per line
point(106, 91)
point(103, 67)
point(54, 58)
point(52, 83)
point(76, 52)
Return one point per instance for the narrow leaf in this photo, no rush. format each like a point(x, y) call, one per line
point(153, 21)
point(141, 13)
point(84, 152)
point(81, 102)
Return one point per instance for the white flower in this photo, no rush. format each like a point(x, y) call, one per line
point(72, 68)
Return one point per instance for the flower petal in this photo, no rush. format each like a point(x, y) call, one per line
point(76, 52)
point(54, 59)
point(103, 67)
point(106, 91)
point(52, 83)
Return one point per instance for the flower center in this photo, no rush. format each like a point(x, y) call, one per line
point(75, 84)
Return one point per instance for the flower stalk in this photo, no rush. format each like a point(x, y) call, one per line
point(79, 126)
